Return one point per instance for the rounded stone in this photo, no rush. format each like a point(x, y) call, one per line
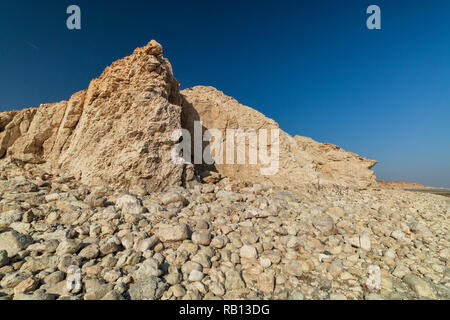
point(248, 252)
point(201, 237)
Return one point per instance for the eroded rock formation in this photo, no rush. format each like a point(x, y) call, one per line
point(119, 132)
point(301, 160)
point(116, 132)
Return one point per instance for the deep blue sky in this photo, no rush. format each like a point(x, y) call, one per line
point(313, 66)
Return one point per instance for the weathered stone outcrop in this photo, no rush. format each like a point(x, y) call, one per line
point(116, 132)
point(119, 132)
point(301, 160)
point(336, 164)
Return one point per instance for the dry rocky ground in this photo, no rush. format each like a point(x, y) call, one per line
point(218, 240)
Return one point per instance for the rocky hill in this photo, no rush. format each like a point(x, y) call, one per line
point(93, 207)
point(119, 130)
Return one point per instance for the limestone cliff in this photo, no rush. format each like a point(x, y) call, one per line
point(119, 132)
point(301, 160)
point(116, 132)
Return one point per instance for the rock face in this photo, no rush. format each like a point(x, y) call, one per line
point(119, 132)
point(301, 160)
point(116, 132)
point(335, 164)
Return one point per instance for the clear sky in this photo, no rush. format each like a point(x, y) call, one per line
point(313, 66)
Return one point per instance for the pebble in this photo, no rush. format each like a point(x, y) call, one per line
point(174, 233)
point(196, 275)
point(420, 286)
point(201, 237)
point(338, 296)
point(248, 252)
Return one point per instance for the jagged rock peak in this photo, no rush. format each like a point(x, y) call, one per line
point(119, 132)
point(116, 132)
